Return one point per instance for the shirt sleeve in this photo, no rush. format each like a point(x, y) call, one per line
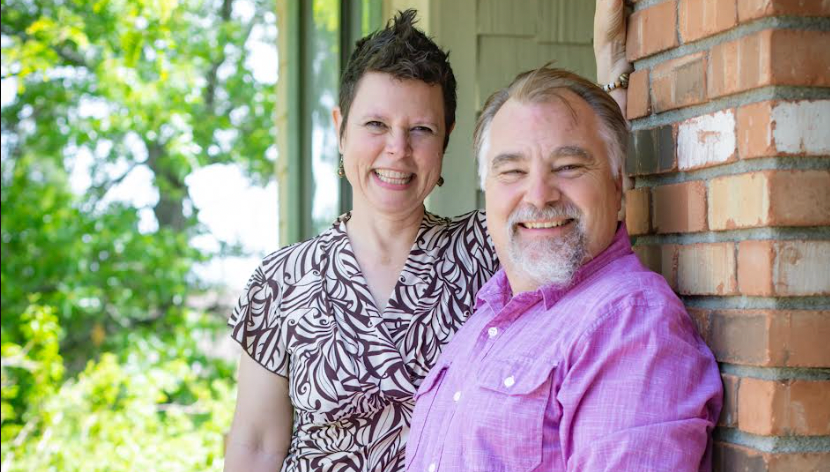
point(641, 392)
point(258, 324)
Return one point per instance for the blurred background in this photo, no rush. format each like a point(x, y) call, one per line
point(138, 193)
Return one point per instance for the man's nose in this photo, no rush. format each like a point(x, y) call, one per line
point(397, 143)
point(542, 190)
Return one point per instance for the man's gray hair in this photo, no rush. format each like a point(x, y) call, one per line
point(543, 85)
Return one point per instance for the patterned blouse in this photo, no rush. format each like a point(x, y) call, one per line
point(307, 314)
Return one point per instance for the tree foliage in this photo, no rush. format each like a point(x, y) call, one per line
point(101, 358)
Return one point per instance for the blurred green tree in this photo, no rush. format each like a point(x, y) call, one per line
point(106, 88)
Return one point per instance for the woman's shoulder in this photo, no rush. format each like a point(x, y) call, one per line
point(294, 260)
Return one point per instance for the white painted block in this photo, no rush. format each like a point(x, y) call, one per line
point(802, 127)
point(706, 140)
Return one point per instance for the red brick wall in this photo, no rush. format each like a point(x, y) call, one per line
point(730, 154)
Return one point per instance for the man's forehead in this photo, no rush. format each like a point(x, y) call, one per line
point(558, 117)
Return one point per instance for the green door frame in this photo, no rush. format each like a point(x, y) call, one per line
point(356, 19)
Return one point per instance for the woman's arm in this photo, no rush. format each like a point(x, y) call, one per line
point(262, 424)
point(609, 46)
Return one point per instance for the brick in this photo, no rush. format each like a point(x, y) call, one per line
point(701, 318)
point(706, 140)
point(701, 18)
point(754, 129)
point(749, 10)
point(799, 198)
point(740, 337)
point(706, 269)
point(679, 82)
point(801, 268)
point(638, 211)
point(770, 198)
point(755, 266)
point(784, 268)
point(729, 457)
point(802, 339)
point(651, 151)
point(680, 208)
point(805, 462)
point(649, 256)
point(770, 338)
point(801, 127)
point(651, 30)
point(660, 259)
point(769, 57)
point(739, 201)
point(729, 411)
point(669, 255)
point(776, 128)
point(639, 98)
point(790, 407)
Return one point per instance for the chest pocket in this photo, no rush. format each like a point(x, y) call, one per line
point(424, 402)
point(507, 433)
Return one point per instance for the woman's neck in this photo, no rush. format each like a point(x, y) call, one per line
point(387, 235)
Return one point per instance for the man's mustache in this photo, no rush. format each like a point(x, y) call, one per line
point(563, 210)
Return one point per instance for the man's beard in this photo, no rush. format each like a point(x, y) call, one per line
point(551, 260)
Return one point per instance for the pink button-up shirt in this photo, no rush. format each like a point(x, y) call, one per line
point(607, 374)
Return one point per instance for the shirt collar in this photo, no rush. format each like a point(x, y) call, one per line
point(497, 292)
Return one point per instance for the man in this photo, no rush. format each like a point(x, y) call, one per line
point(577, 357)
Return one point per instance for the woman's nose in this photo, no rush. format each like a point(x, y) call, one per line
point(397, 143)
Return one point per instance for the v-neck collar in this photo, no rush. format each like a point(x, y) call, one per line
point(356, 272)
point(373, 329)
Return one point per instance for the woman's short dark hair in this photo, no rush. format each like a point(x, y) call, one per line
point(404, 52)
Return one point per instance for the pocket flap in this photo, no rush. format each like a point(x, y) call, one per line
point(519, 376)
point(432, 379)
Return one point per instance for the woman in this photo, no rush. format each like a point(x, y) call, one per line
point(351, 321)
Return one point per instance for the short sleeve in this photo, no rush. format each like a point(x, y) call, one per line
point(258, 324)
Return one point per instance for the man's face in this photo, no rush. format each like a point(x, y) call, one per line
point(551, 198)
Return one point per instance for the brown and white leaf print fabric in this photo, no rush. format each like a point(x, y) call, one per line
point(307, 314)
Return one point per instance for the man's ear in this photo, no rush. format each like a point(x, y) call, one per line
point(337, 118)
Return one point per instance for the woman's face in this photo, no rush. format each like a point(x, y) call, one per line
point(392, 144)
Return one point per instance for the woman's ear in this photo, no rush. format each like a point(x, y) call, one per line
point(337, 118)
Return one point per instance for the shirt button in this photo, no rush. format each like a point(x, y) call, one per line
point(456, 397)
point(431, 467)
point(492, 332)
point(509, 381)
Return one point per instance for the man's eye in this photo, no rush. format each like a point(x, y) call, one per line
point(374, 124)
point(571, 167)
point(512, 172)
point(423, 129)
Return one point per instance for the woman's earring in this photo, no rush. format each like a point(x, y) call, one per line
point(440, 181)
point(341, 170)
